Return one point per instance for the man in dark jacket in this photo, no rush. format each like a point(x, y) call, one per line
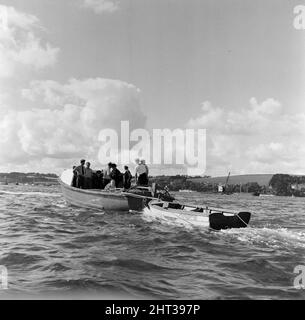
point(74, 179)
point(98, 180)
point(88, 176)
point(79, 171)
point(117, 176)
point(127, 178)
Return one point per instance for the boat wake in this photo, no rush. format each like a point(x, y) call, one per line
point(276, 238)
point(273, 238)
point(178, 222)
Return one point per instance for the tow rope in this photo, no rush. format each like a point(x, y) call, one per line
point(246, 224)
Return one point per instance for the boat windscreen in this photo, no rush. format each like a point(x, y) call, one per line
point(66, 176)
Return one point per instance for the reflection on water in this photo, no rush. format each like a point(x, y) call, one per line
point(52, 250)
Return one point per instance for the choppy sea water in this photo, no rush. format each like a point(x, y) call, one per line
point(53, 250)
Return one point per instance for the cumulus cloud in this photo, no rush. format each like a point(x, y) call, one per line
point(19, 44)
point(67, 123)
point(102, 102)
point(48, 125)
point(260, 138)
point(102, 6)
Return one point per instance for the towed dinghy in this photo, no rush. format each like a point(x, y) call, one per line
point(212, 218)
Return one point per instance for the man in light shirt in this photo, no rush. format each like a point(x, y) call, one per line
point(147, 170)
point(141, 173)
point(107, 178)
point(137, 161)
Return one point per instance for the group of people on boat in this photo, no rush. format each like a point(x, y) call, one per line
point(111, 177)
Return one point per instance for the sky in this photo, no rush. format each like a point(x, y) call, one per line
point(70, 68)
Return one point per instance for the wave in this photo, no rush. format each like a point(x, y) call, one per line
point(34, 193)
point(131, 264)
point(20, 259)
point(271, 237)
point(55, 248)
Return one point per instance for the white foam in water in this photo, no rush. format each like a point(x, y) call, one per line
point(180, 222)
point(275, 238)
point(61, 205)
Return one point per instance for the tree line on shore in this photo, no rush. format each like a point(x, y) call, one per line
point(176, 183)
point(280, 185)
point(288, 185)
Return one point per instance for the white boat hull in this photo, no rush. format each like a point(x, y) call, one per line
point(177, 217)
point(95, 199)
point(178, 214)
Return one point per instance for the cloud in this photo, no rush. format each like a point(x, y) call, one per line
point(102, 6)
point(67, 122)
point(260, 138)
point(47, 125)
point(20, 47)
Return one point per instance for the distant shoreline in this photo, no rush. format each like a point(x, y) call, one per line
point(28, 178)
point(274, 184)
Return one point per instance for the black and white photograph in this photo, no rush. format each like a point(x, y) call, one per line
point(152, 150)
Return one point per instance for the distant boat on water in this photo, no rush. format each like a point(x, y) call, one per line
point(223, 189)
point(186, 190)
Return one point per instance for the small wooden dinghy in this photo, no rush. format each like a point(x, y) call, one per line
point(213, 218)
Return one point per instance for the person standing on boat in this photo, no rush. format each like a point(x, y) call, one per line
point(117, 176)
point(127, 176)
point(94, 180)
point(79, 171)
point(107, 178)
point(74, 179)
point(88, 176)
point(98, 180)
point(146, 167)
point(137, 161)
point(142, 173)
